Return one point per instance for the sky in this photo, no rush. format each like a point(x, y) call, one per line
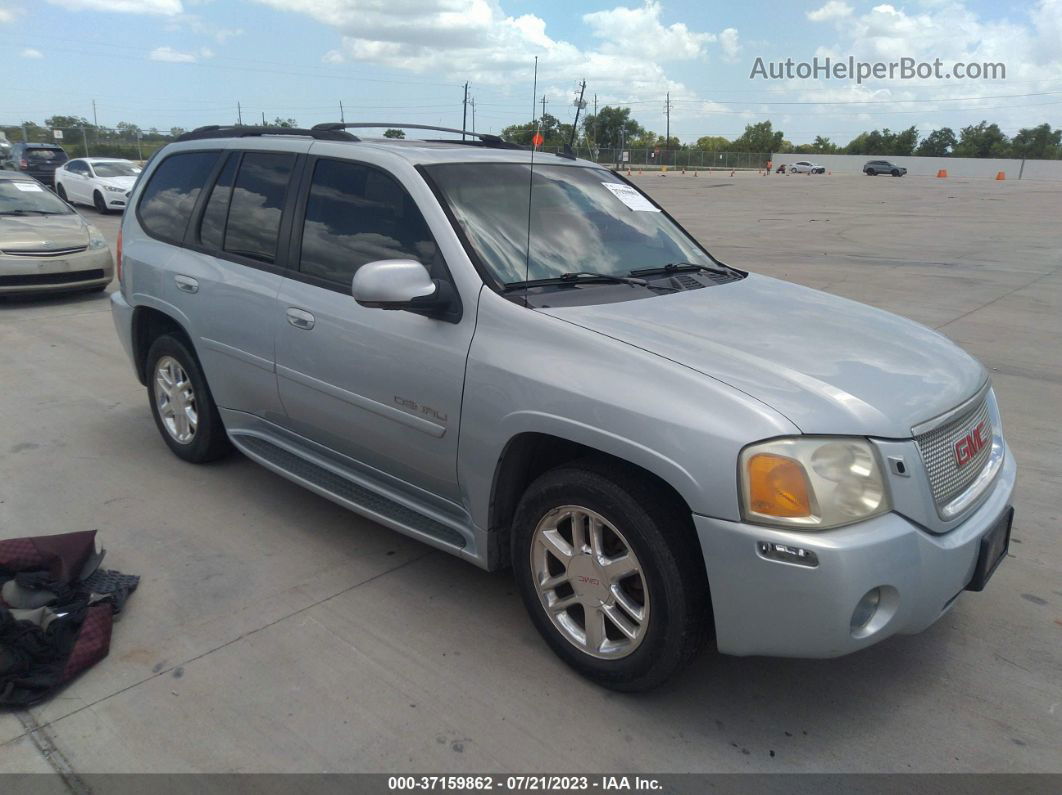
point(184, 63)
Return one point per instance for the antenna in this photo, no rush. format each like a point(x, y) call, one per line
point(531, 183)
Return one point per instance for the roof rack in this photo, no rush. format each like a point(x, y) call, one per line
point(240, 131)
point(483, 139)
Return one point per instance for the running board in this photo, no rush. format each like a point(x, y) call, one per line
point(333, 486)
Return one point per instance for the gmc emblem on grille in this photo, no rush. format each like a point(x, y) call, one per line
point(967, 448)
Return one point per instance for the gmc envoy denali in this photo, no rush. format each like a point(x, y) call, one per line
point(521, 359)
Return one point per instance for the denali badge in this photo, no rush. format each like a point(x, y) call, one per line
point(970, 445)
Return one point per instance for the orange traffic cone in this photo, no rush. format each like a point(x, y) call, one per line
point(942, 173)
point(1001, 176)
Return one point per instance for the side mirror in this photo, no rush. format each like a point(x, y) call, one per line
point(405, 284)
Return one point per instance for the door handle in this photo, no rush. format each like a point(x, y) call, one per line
point(300, 318)
point(187, 284)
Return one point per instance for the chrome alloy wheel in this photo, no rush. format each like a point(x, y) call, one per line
point(175, 400)
point(590, 582)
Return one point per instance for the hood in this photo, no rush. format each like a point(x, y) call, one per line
point(829, 365)
point(125, 183)
point(42, 231)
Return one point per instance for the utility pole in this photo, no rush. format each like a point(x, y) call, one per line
point(473, 103)
point(342, 118)
point(94, 122)
point(464, 113)
point(579, 105)
point(543, 105)
point(239, 115)
point(263, 119)
point(667, 137)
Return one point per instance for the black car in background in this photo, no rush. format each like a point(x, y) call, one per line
point(875, 167)
point(37, 160)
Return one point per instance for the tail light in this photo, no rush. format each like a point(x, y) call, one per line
point(118, 256)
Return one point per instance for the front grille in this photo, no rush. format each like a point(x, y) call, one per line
point(67, 277)
point(43, 252)
point(946, 478)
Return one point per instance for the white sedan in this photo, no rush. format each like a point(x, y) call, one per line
point(806, 167)
point(102, 182)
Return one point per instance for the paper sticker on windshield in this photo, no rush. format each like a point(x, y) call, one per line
point(631, 197)
point(28, 187)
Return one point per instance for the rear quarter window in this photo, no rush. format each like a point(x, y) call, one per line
point(167, 202)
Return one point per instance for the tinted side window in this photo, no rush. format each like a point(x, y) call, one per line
point(212, 227)
point(169, 198)
point(356, 214)
point(257, 204)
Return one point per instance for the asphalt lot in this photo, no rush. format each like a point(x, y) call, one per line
point(274, 631)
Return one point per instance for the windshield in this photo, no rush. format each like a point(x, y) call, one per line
point(45, 155)
point(582, 219)
point(115, 168)
point(22, 197)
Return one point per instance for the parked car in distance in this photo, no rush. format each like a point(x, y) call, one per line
point(102, 182)
point(37, 160)
point(525, 361)
point(45, 245)
point(874, 167)
point(5, 146)
point(806, 167)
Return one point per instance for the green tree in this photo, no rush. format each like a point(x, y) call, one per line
point(982, 140)
point(759, 137)
point(713, 143)
point(553, 132)
point(279, 122)
point(611, 126)
point(393, 133)
point(1037, 143)
point(938, 143)
point(823, 146)
point(128, 130)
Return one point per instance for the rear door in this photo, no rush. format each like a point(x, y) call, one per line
point(381, 387)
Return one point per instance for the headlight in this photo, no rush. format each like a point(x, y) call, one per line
point(114, 189)
point(811, 483)
point(96, 238)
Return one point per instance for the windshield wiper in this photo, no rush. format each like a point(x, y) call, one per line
point(681, 267)
point(577, 277)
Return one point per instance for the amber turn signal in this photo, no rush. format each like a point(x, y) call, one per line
point(778, 486)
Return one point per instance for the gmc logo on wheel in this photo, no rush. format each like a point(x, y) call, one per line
point(970, 445)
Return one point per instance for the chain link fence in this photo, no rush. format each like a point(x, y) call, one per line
point(651, 159)
point(91, 141)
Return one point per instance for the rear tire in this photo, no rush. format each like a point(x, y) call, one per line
point(626, 631)
point(181, 403)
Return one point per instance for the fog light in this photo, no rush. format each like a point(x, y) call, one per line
point(866, 609)
point(787, 554)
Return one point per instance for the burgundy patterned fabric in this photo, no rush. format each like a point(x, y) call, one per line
point(69, 606)
point(93, 642)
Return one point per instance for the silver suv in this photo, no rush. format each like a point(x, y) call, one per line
point(521, 359)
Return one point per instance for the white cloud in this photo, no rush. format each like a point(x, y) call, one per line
point(834, 9)
point(478, 41)
point(170, 55)
point(29, 52)
point(167, 7)
point(7, 14)
point(638, 32)
point(728, 40)
point(199, 26)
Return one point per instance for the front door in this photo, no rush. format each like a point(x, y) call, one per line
point(381, 387)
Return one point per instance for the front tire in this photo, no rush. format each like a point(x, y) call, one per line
point(181, 403)
point(896, 172)
point(99, 203)
point(60, 191)
point(610, 571)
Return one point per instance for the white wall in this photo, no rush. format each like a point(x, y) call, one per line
point(928, 166)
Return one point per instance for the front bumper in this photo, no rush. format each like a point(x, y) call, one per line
point(85, 269)
point(115, 200)
point(766, 607)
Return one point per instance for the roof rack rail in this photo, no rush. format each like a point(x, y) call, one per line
point(241, 131)
point(484, 139)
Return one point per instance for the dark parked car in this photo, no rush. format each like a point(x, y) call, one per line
point(37, 160)
point(875, 167)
